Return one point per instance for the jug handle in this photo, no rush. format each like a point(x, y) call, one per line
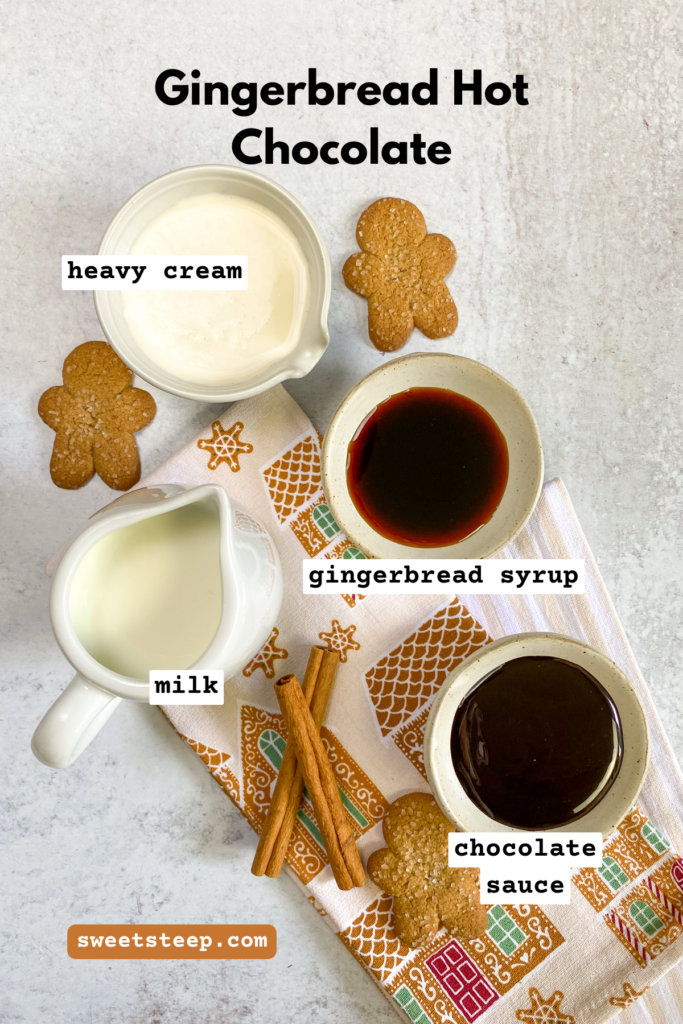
point(72, 722)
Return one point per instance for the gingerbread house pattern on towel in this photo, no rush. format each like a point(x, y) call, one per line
point(293, 482)
point(447, 981)
point(638, 889)
point(402, 684)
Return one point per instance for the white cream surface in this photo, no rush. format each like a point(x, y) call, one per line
point(221, 337)
point(149, 595)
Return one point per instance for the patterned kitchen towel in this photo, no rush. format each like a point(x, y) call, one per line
point(581, 963)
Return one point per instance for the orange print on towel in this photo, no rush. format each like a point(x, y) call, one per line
point(403, 683)
point(293, 479)
point(472, 977)
point(217, 763)
point(444, 981)
point(317, 906)
point(215, 760)
point(638, 843)
point(293, 482)
point(266, 657)
point(410, 739)
point(407, 678)
point(225, 445)
point(544, 1011)
point(642, 923)
point(517, 940)
point(314, 528)
point(341, 639)
point(630, 995)
point(638, 888)
point(634, 847)
point(666, 882)
point(372, 940)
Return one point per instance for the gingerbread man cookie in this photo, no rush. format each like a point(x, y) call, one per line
point(401, 273)
point(414, 870)
point(95, 414)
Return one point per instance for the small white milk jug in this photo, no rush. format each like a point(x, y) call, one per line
point(162, 578)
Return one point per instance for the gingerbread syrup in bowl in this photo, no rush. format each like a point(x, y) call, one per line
point(427, 467)
point(432, 456)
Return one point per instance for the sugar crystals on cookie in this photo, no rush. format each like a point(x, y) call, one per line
point(428, 894)
point(401, 272)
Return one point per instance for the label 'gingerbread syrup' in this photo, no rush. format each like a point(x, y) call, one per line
point(427, 468)
point(537, 743)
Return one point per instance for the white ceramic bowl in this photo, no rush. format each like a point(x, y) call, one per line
point(446, 787)
point(476, 382)
point(166, 191)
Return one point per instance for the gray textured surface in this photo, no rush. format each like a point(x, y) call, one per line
point(567, 224)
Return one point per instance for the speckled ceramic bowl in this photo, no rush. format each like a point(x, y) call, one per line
point(446, 787)
point(156, 197)
point(476, 382)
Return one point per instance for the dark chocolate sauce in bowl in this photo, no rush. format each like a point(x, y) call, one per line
point(427, 467)
point(537, 743)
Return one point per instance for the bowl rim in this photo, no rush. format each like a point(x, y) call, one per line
point(382, 547)
point(219, 393)
point(445, 785)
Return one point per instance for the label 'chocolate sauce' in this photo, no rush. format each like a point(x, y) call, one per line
point(537, 743)
point(427, 468)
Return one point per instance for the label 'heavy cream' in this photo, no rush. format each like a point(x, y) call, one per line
point(221, 337)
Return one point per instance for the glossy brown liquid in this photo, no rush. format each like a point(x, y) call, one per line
point(427, 468)
point(537, 743)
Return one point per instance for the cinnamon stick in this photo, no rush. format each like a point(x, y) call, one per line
point(321, 784)
point(318, 705)
point(323, 687)
point(287, 781)
point(343, 828)
point(295, 710)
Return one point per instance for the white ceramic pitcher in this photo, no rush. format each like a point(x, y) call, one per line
point(251, 581)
